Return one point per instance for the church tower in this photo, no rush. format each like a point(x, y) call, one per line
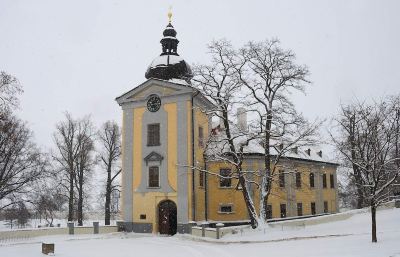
point(160, 139)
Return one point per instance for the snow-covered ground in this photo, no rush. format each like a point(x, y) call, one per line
point(350, 237)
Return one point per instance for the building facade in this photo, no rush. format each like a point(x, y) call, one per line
point(163, 136)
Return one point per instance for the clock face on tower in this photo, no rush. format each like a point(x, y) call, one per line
point(154, 103)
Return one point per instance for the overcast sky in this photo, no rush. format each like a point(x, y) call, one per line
point(77, 56)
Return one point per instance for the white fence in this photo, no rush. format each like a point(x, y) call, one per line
point(218, 232)
point(25, 234)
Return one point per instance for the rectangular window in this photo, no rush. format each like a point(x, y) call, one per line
point(225, 179)
point(201, 178)
point(299, 209)
point(269, 211)
point(281, 178)
point(142, 216)
point(283, 210)
point(298, 179)
point(225, 208)
point(332, 180)
point(325, 207)
point(154, 177)
point(311, 180)
point(201, 137)
point(153, 134)
point(324, 180)
point(313, 212)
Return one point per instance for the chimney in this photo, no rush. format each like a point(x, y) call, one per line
point(319, 153)
point(241, 119)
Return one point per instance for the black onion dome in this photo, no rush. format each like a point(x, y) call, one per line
point(169, 65)
point(169, 31)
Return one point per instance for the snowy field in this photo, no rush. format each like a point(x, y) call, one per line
point(350, 237)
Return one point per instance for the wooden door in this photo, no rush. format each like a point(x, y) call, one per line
point(167, 222)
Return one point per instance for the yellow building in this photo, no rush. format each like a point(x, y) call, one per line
point(162, 136)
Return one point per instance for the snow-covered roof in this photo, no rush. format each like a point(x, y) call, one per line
point(165, 60)
point(169, 37)
point(255, 148)
point(179, 81)
point(309, 153)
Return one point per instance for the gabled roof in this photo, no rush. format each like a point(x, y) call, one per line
point(163, 88)
point(166, 87)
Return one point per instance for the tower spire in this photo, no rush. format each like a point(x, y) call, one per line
point(170, 14)
point(169, 65)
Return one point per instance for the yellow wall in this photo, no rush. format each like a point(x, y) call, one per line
point(305, 194)
point(200, 120)
point(172, 143)
point(329, 194)
point(137, 146)
point(149, 201)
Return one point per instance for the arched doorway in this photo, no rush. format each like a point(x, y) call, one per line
point(167, 218)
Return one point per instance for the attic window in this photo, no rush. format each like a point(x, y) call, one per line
point(308, 151)
point(319, 153)
point(295, 150)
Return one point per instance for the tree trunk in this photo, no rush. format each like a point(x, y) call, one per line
point(80, 200)
point(108, 199)
point(71, 197)
point(249, 202)
point(247, 199)
point(267, 164)
point(373, 216)
point(360, 195)
point(356, 170)
point(80, 209)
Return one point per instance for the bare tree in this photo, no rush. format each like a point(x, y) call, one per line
point(9, 91)
point(219, 82)
point(21, 162)
point(47, 205)
point(374, 150)
point(17, 213)
point(110, 139)
point(84, 162)
point(74, 139)
point(11, 215)
point(66, 153)
point(270, 74)
point(348, 120)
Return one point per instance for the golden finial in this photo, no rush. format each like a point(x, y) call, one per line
point(170, 14)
